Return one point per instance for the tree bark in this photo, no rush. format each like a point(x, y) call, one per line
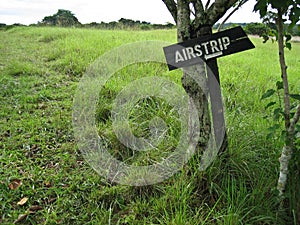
point(195, 92)
point(217, 10)
point(201, 26)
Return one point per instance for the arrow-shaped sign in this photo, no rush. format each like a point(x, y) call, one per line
point(220, 44)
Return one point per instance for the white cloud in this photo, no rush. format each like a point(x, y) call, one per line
point(154, 11)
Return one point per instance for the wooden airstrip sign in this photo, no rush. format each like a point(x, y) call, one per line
point(220, 44)
point(197, 50)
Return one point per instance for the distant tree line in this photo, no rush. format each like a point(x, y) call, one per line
point(128, 24)
point(261, 29)
point(65, 18)
point(228, 25)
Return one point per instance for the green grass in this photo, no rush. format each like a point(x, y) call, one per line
point(40, 69)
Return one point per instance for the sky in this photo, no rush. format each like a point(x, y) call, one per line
point(87, 11)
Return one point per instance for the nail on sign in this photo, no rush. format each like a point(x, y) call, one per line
point(220, 44)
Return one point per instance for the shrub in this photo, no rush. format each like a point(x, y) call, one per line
point(257, 29)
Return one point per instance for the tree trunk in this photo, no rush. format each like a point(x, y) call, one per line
point(201, 26)
point(192, 88)
point(200, 93)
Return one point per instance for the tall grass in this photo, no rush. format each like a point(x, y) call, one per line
point(40, 69)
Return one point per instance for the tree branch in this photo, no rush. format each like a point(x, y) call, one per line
point(286, 154)
point(200, 15)
point(192, 8)
point(183, 20)
point(198, 6)
point(295, 120)
point(172, 7)
point(207, 4)
point(242, 2)
point(218, 9)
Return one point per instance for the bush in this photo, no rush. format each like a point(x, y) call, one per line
point(145, 27)
point(257, 29)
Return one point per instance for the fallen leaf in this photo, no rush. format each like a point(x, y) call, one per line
point(48, 184)
point(35, 208)
point(22, 201)
point(20, 218)
point(34, 147)
point(15, 184)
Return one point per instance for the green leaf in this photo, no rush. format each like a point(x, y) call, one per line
point(297, 128)
point(268, 94)
point(272, 130)
point(279, 85)
point(297, 97)
point(288, 37)
point(292, 114)
point(277, 113)
point(266, 38)
point(288, 46)
point(295, 15)
point(277, 4)
point(270, 104)
point(270, 135)
point(262, 7)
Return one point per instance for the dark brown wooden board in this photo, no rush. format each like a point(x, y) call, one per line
point(220, 44)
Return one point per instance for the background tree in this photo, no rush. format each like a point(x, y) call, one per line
point(63, 18)
point(280, 12)
point(260, 29)
point(195, 19)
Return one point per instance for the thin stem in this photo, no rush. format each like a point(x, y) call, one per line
point(295, 120)
point(287, 104)
point(172, 7)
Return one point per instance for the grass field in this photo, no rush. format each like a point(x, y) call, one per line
point(40, 163)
